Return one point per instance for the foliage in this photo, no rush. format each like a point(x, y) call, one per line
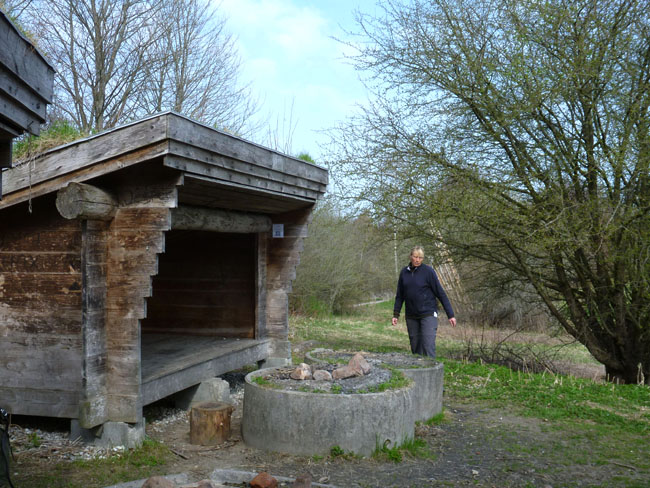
point(57, 133)
point(345, 261)
point(518, 133)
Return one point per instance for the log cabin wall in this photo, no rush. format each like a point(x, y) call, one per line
point(283, 256)
point(136, 238)
point(97, 278)
point(205, 285)
point(40, 310)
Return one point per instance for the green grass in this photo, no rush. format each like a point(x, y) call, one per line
point(553, 397)
point(57, 134)
point(146, 461)
point(413, 448)
point(613, 420)
point(264, 382)
point(397, 380)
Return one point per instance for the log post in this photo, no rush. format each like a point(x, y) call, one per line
point(79, 200)
point(213, 220)
point(210, 423)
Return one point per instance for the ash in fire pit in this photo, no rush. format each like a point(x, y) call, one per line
point(354, 374)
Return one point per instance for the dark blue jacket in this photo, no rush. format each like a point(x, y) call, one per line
point(419, 288)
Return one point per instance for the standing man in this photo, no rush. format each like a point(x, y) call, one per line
point(419, 287)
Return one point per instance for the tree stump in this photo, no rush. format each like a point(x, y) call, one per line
point(210, 423)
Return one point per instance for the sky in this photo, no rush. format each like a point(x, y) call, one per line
point(296, 67)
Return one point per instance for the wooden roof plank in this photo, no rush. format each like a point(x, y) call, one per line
point(263, 172)
point(81, 154)
point(81, 175)
point(204, 137)
point(22, 59)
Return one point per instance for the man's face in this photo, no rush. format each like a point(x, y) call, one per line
point(417, 258)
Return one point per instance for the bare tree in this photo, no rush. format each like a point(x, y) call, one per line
point(197, 73)
point(15, 8)
point(100, 51)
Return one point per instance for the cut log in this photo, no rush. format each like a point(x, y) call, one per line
point(79, 200)
point(197, 218)
point(210, 423)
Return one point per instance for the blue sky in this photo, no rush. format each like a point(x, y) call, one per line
point(292, 61)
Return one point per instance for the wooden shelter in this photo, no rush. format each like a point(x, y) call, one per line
point(143, 260)
point(26, 84)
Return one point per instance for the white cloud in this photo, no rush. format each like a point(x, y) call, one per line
point(294, 64)
point(295, 31)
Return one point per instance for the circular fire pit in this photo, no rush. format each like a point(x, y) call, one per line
point(310, 422)
point(426, 373)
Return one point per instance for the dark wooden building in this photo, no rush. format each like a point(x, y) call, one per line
point(26, 82)
point(142, 261)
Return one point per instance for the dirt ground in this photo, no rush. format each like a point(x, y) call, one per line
point(474, 446)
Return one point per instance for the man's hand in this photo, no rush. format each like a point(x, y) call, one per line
point(452, 321)
point(394, 321)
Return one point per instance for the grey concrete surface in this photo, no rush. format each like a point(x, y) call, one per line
point(304, 423)
point(427, 398)
point(212, 390)
point(110, 434)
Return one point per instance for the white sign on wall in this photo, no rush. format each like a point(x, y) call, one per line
point(278, 230)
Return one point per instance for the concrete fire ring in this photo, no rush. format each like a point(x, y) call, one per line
point(304, 423)
point(427, 392)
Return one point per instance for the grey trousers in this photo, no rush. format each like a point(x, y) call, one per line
point(422, 334)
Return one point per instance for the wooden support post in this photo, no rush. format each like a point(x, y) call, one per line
point(78, 200)
point(210, 423)
point(198, 218)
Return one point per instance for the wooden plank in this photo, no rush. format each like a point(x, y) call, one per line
point(20, 58)
point(240, 178)
point(267, 173)
point(261, 286)
point(172, 363)
point(223, 194)
point(11, 110)
point(39, 262)
point(40, 241)
point(200, 136)
point(141, 218)
point(205, 282)
point(118, 148)
point(44, 403)
point(38, 319)
point(149, 185)
point(94, 255)
point(23, 95)
point(23, 192)
point(45, 368)
point(283, 256)
point(213, 220)
point(134, 231)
